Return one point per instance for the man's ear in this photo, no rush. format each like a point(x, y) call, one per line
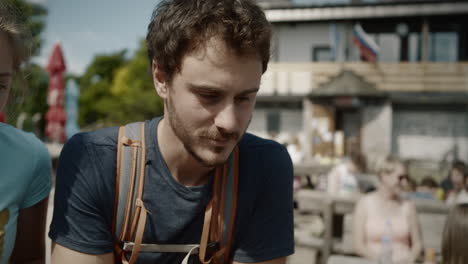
point(160, 80)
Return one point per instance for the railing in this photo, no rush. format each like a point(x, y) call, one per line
point(300, 78)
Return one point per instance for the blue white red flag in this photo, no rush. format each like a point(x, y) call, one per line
point(367, 46)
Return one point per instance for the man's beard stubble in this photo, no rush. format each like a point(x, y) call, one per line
point(188, 141)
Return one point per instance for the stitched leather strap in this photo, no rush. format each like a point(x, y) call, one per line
point(205, 232)
point(139, 231)
point(234, 186)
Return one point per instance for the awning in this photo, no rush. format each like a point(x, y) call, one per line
point(347, 84)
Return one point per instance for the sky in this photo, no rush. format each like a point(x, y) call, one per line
point(86, 28)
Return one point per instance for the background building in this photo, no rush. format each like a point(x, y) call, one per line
point(412, 101)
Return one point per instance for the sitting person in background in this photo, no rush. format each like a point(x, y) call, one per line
point(454, 236)
point(458, 179)
point(427, 189)
point(385, 226)
point(408, 185)
point(447, 184)
point(342, 179)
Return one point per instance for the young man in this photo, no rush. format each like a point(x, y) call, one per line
point(207, 60)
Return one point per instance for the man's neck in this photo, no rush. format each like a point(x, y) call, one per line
point(183, 167)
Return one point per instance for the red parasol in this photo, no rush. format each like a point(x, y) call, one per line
point(55, 117)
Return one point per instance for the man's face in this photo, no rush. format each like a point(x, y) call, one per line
point(6, 68)
point(209, 103)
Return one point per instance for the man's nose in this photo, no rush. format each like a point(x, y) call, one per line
point(226, 119)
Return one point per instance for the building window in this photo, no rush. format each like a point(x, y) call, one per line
point(444, 46)
point(322, 53)
point(389, 44)
point(414, 51)
point(273, 121)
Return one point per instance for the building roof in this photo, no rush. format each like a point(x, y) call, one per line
point(388, 9)
point(346, 83)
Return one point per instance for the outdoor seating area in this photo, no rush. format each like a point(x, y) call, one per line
point(312, 203)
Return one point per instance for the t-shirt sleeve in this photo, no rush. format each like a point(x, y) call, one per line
point(270, 231)
point(41, 181)
point(80, 221)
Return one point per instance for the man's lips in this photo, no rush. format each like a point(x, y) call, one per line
point(218, 141)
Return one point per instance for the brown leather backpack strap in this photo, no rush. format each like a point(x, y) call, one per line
point(118, 175)
point(142, 214)
point(130, 168)
point(217, 229)
point(205, 232)
point(216, 201)
point(118, 252)
point(125, 235)
point(141, 180)
point(234, 188)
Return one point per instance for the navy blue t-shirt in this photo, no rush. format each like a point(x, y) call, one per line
point(85, 189)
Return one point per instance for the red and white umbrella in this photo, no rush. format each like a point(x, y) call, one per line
point(55, 116)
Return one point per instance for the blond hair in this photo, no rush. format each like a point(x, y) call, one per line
point(16, 33)
point(388, 165)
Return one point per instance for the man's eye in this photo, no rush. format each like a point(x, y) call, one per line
point(243, 99)
point(211, 97)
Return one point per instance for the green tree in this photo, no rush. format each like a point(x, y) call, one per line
point(95, 87)
point(116, 91)
point(29, 90)
point(134, 95)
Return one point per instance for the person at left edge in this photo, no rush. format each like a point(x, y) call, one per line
point(25, 165)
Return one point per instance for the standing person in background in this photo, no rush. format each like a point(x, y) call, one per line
point(447, 184)
point(458, 180)
point(343, 182)
point(454, 236)
point(343, 178)
point(385, 225)
point(295, 150)
point(407, 184)
point(25, 165)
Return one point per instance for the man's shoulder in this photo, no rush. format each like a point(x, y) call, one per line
point(263, 150)
point(252, 142)
point(101, 137)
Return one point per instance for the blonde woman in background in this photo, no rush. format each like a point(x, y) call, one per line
point(25, 166)
point(386, 227)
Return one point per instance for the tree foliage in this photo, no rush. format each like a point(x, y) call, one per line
point(32, 15)
point(95, 87)
point(116, 91)
point(29, 89)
